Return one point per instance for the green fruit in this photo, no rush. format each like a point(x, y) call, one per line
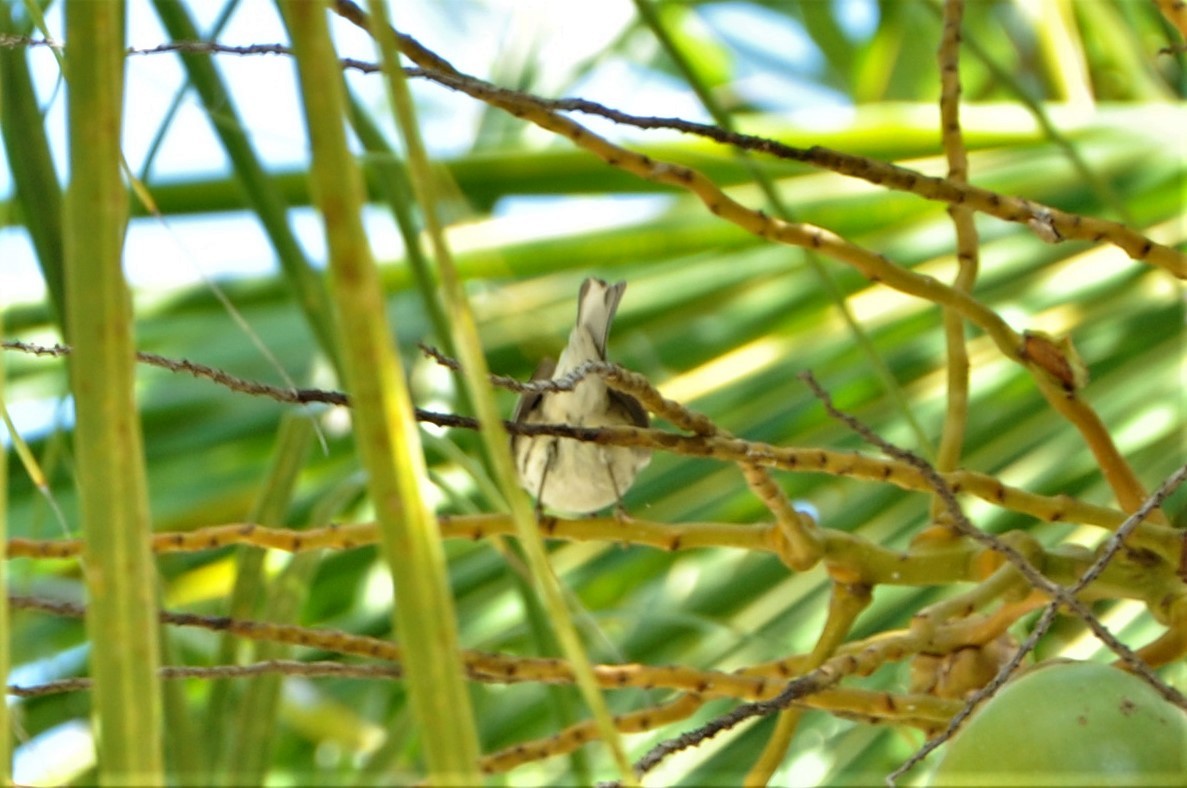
point(1071, 723)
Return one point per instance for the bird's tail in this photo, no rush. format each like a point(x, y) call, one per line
point(596, 306)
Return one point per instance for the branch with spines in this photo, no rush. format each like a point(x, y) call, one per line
point(1163, 541)
point(480, 666)
point(875, 267)
point(1062, 596)
point(268, 667)
point(756, 682)
point(929, 635)
point(1170, 646)
point(703, 443)
point(860, 661)
point(695, 686)
point(1017, 552)
point(858, 558)
point(915, 710)
point(579, 734)
point(710, 441)
point(1049, 224)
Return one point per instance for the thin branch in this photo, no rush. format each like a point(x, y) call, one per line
point(822, 678)
point(956, 412)
point(1037, 580)
point(1049, 224)
point(1112, 547)
point(1059, 508)
point(284, 667)
point(279, 393)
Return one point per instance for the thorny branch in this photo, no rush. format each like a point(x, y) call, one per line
point(1060, 595)
point(697, 423)
point(283, 667)
point(1111, 548)
point(695, 686)
point(702, 443)
point(812, 682)
point(822, 678)
point(1049, 224)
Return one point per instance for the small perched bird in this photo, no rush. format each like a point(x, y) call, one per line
point(566, 474)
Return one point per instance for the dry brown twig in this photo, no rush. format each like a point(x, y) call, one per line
point(828, 674)
point(1049, 224)
point(696, 685)
point(706, 441)
point(813, 682)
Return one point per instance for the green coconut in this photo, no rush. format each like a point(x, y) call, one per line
point(1070, 723)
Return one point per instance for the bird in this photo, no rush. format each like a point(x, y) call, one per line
point(565, 474)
